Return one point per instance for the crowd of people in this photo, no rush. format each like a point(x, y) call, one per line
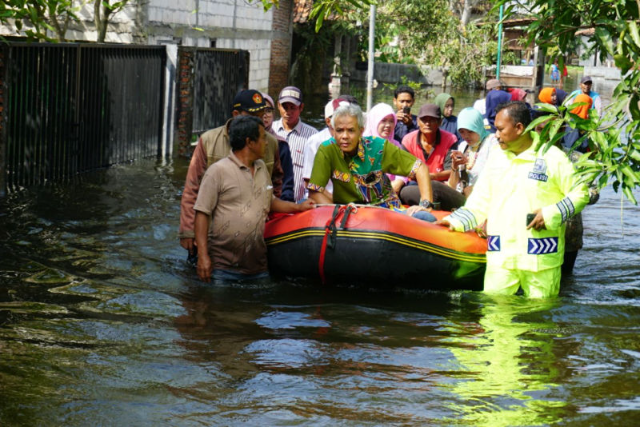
point(481, 165)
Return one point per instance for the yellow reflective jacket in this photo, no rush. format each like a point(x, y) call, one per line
point(509, 188)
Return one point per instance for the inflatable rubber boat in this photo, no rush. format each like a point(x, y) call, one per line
point(374, 247)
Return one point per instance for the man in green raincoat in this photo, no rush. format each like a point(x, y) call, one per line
point(526, 196)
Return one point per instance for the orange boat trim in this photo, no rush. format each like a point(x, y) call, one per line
point(460, 256)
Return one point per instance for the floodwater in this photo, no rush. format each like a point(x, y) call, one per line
point(103, 323)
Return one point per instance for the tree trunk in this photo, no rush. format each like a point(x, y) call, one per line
point(466, 12)
point(101, 19)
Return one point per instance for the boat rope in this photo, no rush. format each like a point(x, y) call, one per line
point(330, 232)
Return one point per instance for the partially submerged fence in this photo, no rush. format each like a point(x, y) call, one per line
point(208, 81)
point(71, 108)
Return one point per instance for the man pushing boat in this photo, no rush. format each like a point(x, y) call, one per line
point(357, 167)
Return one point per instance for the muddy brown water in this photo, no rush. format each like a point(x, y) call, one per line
point(103, 323)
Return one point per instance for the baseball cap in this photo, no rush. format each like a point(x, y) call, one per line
point(249, 100)
point(290, 94)
point(332, 105)
point(586, 79)
point(268, 98)
point(430, 110)
point(493, 83)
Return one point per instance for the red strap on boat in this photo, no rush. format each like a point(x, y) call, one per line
point(329, 228)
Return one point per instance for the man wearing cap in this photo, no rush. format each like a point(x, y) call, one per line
point(480, 104)
point(585, 87)
point(295, 132)
point(325, 134)
point(285, 152)
point(431, 145)
point(214, 145)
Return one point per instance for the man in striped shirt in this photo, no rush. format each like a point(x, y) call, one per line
point(295, 132)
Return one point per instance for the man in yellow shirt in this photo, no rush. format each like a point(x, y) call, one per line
point(518, 184)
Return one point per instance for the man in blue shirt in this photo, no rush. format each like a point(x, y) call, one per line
point(403, 98)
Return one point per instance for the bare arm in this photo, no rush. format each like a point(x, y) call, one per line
point(204, 267)
point(424, 183)
point(320, 198)
point(197, 168)
point(278, 205)
point(440, 176)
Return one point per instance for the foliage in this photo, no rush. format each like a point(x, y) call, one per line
point(36, 17)
point(102, 12)
point(416, 86)
point(323, 9)
point(429, 34)
point(614, 137)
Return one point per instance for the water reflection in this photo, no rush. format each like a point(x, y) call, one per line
point(508, 366)
point(102, 322)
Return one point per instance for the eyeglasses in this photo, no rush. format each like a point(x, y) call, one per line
point(268, 110)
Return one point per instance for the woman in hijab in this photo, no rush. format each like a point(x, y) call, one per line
point(468, 161)
point(381, 122)
point(495, 98)
point(549, 96)
point(518, 94)
point(449, 121)
point(581, 111)
point(574, 229)
point(552, 96)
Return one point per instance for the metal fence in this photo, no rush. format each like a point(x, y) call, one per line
point(72, 108)
point(218, 74)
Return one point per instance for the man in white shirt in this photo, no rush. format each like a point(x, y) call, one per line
point(295, 132)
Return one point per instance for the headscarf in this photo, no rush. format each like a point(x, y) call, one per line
point(561, 95)
point(518, 94)
point(583, 110)
point(472, 120)
point(495, 98)
point(441, 100)
point(546, 94)
point(448, 124)
point(375, 116)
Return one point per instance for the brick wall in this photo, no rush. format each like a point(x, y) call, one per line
point(282, 31)
point(185, 100)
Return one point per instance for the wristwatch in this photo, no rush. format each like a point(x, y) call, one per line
point(427, 204)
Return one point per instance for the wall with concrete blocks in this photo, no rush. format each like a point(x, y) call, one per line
point(232, 24)
point(226, 24)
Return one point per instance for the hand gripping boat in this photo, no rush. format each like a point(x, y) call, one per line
point(375, 247)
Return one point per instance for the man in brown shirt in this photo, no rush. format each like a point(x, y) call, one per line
point(213, 145)
point(233, 203)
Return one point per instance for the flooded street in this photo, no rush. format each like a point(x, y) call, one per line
point(103, 323)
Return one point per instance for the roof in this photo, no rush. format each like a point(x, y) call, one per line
point(301, 11)
point(586, 32)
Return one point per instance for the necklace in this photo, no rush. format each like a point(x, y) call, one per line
point(472, 159)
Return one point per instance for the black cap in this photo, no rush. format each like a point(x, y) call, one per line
point(430, 110)
point(249, 100)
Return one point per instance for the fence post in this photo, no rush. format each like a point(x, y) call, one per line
point(3, 122)
point(168, 127)
point(185, 100)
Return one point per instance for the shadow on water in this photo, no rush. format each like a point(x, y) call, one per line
point(103, 323)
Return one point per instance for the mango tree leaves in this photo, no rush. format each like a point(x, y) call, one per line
point(614, 138)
